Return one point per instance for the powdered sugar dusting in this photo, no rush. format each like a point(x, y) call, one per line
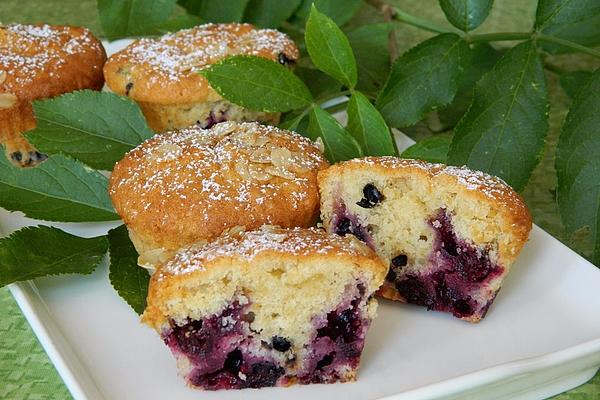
point(489, 185)
point(247, 245)
point(28, 50)
point(203, 171)
point(181, 54)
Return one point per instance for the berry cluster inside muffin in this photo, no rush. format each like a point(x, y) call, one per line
point(223, 351)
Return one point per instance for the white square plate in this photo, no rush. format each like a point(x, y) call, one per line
point(541, 336)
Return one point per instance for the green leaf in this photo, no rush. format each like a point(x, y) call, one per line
point(482, 59)
point(319, 83)
point(433, 149)
point(574, 20)
point(578, 164)
point(97, 128)
point(370, 46)
point(258, 84)
point(177, 23)
point(270, 13)
point(367, 126)
point(123, 18)
point(127, 278)
point(572, 82)
point(329, 48)
point(216, 11)
point(466, 15)
point(295, 121)
point(59, 189)
point(423, 79)
point(504, 130)
point(33, 252)
point(340, 11)
point(339, 145)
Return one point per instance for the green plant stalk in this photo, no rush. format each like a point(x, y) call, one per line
point(402, 16)
point(498, 37)
point(569, 44)
point(332, 96)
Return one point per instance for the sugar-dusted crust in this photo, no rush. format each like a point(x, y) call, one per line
point(41, 61)
point(165, 70)
point(189, 185)
point(238, 259)
point(477, 185)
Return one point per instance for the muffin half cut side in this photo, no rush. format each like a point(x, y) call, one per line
point(271, 307)
point(448, 234)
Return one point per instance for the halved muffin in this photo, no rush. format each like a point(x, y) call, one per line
point(37, 62)
point(271, 307)
point(161, 74)
point(448, 234)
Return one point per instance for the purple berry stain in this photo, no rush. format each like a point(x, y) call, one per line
point(457, 272)
point(222, 349)
point(345, 223)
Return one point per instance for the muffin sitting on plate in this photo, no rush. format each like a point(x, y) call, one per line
point(193, 184)
point(161, 74)
point(37, 62)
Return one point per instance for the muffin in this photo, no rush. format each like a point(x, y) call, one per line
point(448, 234)
point(272, 307)
point(161, 74)
point(38, 62)
point(193, 184)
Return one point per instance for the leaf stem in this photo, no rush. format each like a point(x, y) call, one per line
point(410, 19)
point(569, 44)
point(332, 96)
point(403, 16)
point(498, 37)
point(334, 108)
point(553, 68)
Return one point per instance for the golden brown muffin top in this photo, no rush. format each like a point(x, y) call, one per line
point(271, 265)
point(165, 70)
point(40, 61)
point(193, 184)
point(269, 241)
point(481, 183)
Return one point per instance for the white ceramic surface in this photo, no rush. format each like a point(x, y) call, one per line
point(541, 337)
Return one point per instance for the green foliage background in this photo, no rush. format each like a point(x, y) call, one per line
point(24, 369)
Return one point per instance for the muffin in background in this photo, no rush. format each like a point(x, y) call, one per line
point(38, 62)
point(193, 184)
point(161, 74)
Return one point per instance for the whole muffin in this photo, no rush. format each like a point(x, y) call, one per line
point(271, 307)
point(193, 184)
point(161, 74)
point(37, 62)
